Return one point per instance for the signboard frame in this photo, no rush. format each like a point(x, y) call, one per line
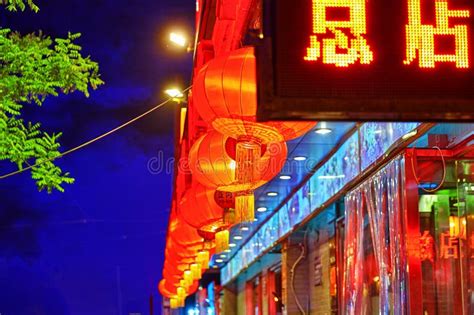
point(274, 107)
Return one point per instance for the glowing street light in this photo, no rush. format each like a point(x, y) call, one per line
point(174, 93)
point(178, 39)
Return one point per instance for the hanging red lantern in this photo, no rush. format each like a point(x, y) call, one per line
point(200, 210)
point(212, 162)
point(184, 234)
point(225, 95)
point(186, 240)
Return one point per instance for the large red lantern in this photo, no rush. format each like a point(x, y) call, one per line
point(212, 162)
point(186, 240)
point(225, 95)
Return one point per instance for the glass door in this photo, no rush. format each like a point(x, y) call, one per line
point(446, 227)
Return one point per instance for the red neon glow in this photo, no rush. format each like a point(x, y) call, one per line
point(347, 34)
point(449, 246)
point(421, 38)
point(426, 246)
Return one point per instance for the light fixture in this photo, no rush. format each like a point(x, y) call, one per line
point(174, 93)
point(232, 244)
point(244, 228)
point(322, 129)
point(331, 176)
point(255, 219)
point(227, 251)
point(272, 194)
point(237, 237)
point(285, 177)
point(178, 39)
point(410, 134)
point(222, 256)
point(261, 209)
point(299, 158)
point(219, 261)
point(276, 298)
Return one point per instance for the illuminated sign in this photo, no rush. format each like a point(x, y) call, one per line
point(354, 49)
point(367, 60)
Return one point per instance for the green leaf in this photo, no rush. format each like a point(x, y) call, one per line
point(32, 68)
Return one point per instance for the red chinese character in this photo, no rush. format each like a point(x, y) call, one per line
point(347, 35)
point(426, 246)
point(448, 246)
point(421, 38)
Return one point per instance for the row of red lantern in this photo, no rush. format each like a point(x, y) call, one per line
point(227, 164)
point(187, 255)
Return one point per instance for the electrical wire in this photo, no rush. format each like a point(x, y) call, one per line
point(85, 144)
point(292, 271)
point(417, 180)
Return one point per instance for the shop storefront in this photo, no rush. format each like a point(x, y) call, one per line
point(397, 242)
point(305, 205)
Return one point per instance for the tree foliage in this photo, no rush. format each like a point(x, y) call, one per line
point(14, 5)
point(33, 67)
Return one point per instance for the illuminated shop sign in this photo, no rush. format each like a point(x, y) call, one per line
point(367, 60)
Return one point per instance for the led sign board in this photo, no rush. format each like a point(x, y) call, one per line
point(367, 60)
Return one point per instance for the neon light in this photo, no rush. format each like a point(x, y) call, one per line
point(421, 38)
point(355, 49)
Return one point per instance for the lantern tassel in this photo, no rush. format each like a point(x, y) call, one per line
point(244, 207)
point(188, 278)
point(203, 259)
point(229, 216)
point(174, 302)
point(196, 271)
point(222, 241)
point(247, 154)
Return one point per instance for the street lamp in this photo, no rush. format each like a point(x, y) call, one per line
point(180, 40)
point(174, 93)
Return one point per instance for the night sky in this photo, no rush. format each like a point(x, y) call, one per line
point(98, 247)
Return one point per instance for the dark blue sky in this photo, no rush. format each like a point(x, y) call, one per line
point(98, 247)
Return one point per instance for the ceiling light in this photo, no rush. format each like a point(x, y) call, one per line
point(285, 177)
point(330, 176)
point(261, 209)
point(232, 245)
point(237, 237)
point(255, 219)
point(299, 158)
point(219, 261)
point(322, 128)
point(227, 251)
point(323, 131)
point(272, 194)
point(244, 228)
point(222, 256)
